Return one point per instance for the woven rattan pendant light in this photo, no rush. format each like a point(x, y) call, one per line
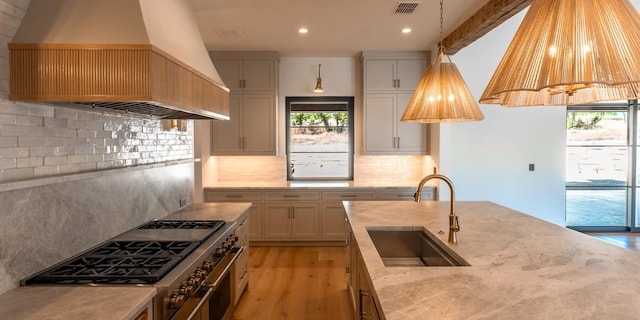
point(569, 52)
point(442, 95)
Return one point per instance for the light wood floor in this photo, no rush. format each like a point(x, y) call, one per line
point(309, 283)
point(297, 283)
point(626, 240)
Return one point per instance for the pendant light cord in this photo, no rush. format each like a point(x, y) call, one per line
point(441, 44)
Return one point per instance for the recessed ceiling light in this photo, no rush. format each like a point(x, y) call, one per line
point(303, 30)
point(406, 30)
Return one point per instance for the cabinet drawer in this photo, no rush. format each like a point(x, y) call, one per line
point(348, 195)
point(232, 196)
point(398, 195)
point(404, 194)
point(291, 196)
point(242, 229)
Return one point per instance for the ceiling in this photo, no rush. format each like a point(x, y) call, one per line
point(336, 27)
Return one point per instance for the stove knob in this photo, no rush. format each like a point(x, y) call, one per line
point(207, 265)
point(200, 273)
point(186, 290)
point(234, 237)
point(228, 244)
point(176, 301)
point(194, 281)
point(220, 252)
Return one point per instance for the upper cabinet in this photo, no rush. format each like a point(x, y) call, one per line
point(248, 75)
point(393, 74)
point(252, 79)
point(390, 78)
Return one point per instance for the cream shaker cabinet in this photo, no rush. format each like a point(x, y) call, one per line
point(390, 78)
point(392, 75)
point(254, 230)
point(247, 75)
point(252, 78)
point(385, 133)
point(241, 266)
point(251, 128)
point(285, 215)
point(289, 220)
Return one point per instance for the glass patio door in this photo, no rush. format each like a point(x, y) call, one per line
point(598, 167)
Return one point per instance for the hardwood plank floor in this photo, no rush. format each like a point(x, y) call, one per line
point(625, 240)
point(297, 283)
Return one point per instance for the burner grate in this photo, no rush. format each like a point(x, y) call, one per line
point(146, 248)
point(183, 224)
point(120, 262)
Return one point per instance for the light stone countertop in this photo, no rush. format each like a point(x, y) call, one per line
point(100, 302)
point(74, 303)
point(278, 184)
point(521, 267)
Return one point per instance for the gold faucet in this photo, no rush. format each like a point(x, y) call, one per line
point(454, 226)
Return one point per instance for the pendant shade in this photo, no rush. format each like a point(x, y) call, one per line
point(569, 52)
point(442, 96)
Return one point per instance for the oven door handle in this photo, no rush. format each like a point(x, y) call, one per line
point(215, 284)
point(203, 300)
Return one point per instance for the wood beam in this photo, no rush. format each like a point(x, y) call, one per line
point(491, 15)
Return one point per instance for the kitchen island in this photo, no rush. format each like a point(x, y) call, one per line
point(521, 267)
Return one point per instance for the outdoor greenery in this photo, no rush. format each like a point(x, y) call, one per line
point(330, 119)
point(584, 120)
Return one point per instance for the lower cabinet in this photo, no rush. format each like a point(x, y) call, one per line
point(333, 221)
point(254, 232)
point(359, 285)
point(290, 214)
point(240, 272)
point(352, 273)
point(291, 220)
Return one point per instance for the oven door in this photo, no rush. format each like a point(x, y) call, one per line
point(214, 300)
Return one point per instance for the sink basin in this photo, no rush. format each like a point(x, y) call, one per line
point(412, 247)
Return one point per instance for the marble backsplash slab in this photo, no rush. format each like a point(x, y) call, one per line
point(43, 225)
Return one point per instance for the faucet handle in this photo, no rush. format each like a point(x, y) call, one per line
point(456, 225)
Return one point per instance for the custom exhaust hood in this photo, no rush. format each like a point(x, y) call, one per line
point(138, 56)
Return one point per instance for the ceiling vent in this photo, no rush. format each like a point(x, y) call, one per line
point(406, 7)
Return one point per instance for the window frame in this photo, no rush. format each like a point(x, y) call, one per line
point(349, 101)
point(631, 143)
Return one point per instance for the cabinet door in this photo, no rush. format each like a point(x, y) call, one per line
point(277, 220)
point(409, 73)
point(254, 231)
point(305, 222)
point(379, 122)
point(411, 136)
point(333, 221)
point(380, 75)
point(227, 135)
point(259, 124)
point(352, 281)
point(231, 73)
point(259, 75)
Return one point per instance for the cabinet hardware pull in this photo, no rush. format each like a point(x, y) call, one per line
point(233, 196)
point(349, 195)
point(291, 196)
point(398, 143)
point(398, 83)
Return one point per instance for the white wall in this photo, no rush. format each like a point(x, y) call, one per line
point(298, 78)
point(489, 160)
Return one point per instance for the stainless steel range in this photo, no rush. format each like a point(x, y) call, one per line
point(188, 261)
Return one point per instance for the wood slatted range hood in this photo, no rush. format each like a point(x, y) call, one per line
point(131, 56)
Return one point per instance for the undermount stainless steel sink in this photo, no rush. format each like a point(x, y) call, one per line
point(412, 247)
